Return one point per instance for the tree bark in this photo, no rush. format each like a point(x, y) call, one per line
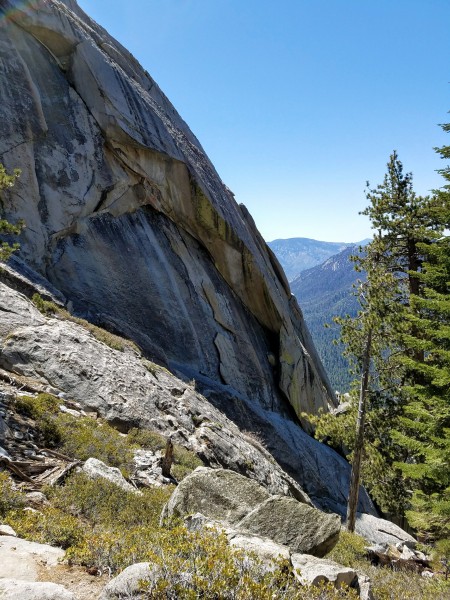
point(359, 443)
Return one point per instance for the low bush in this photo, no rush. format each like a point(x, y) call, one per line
point(38, 406)
point(83, 438)
point(10, 498)
point(47, 526)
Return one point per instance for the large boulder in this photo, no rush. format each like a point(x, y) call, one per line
point(239, 503)
point(12, 589)
point(217, 494)
point(380, 531)
point(23, 560)
point(291, 523)
point(95, 469)
point(128, 583)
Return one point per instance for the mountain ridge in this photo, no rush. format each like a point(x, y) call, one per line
point(299, 253)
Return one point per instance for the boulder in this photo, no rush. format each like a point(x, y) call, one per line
point(128, 583)
point(36, 499)
point(267, 550)
point(238, 502)
point(95, 468)
point(303, 529)
point(12, 589)
point(7, 530)
point(217, 494)
point(312, 570)
point(23, 560)
point(380, 531)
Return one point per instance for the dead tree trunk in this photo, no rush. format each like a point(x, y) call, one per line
point(168, 459)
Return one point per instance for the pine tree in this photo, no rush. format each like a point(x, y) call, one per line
point(425, 423)
point(403, 222)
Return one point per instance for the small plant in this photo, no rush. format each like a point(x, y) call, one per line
point(350, 549)
point(6, 228)
point(46, 307)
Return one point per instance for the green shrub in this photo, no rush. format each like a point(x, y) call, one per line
point(37, 407)
point(10, 499)
point(46, 307)
point(47, 526)
point(350, 549)
point(149, 440)
point(83, 438)
point(105, 505)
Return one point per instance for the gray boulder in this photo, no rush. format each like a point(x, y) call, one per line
point(312, 570)
point(128, 583)
point(380, 531)
point(23, 560)
point(217, 494)
point(239, 503)
point(95, 468)
point(267, 550)
point(7, 530)
point(291, 523)
point(12, 589)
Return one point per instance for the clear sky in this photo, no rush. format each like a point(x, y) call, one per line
point(299, 102)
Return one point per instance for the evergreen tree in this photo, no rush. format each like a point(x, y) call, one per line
point(424, 430)
point(376, 339)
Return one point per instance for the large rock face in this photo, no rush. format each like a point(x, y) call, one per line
point(127, 217)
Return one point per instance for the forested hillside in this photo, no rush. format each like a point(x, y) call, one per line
point(298, 254)
point(323, 292)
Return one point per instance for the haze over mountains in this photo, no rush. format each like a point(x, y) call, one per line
point(298, 254)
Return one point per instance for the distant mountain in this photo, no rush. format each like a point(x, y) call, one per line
point(323, 292)
point(298, 254)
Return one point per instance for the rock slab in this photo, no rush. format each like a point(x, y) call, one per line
point(243, 505)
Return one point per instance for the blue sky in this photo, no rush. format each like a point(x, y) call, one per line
point(299, 102)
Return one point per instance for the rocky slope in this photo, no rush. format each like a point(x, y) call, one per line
point(129, 225)
point(47, 353)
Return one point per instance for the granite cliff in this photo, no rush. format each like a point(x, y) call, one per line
point(129, 226)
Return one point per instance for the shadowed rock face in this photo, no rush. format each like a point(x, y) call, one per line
point(127, 217)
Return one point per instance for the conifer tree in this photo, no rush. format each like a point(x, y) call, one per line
point(425, 423)
point(403, 222)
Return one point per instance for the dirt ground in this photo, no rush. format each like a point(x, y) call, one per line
point(76, 580)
